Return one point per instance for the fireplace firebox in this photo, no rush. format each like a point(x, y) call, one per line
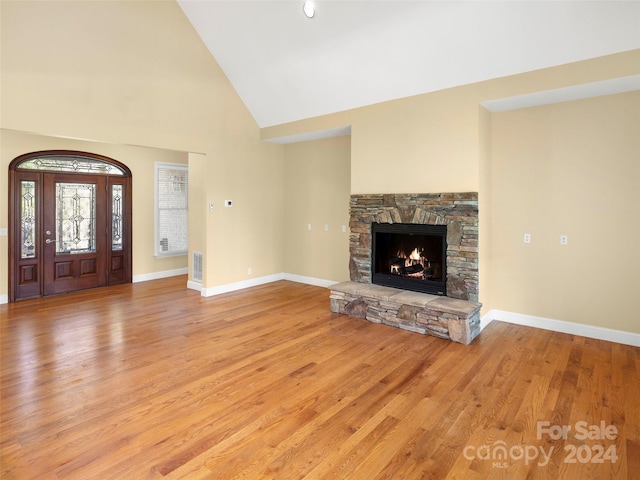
point(410, 257)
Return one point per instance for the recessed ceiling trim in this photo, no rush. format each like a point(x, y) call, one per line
point(316, 135)
point(576, 92)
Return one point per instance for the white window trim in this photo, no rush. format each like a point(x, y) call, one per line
point(156, 230)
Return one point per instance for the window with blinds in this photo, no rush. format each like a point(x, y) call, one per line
point(172, 225)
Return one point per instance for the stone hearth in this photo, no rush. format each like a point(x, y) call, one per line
point(442, 317)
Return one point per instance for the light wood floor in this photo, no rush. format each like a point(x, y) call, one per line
point(151, 381)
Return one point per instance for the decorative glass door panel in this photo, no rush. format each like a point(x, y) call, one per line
point(75, 218)
point(117, 217)
point(28, 221)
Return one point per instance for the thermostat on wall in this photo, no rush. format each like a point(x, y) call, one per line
point(228, 203)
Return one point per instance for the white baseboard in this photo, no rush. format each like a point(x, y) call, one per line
point(156, 275)
point(4, 299)
point(318, 282)
point(191, 285)
point(232, 287)
point(589, 331)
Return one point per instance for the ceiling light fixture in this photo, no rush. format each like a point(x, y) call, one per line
point(309, 9)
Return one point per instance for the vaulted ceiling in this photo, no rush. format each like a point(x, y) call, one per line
point(287, 67)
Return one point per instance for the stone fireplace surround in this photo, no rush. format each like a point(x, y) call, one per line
point(455, 317)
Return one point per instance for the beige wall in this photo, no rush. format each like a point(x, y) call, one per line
point(135, 73)
point(317, 178)
point(198, 208)
point(571, 168)
point(427, 143)
point(485, 212)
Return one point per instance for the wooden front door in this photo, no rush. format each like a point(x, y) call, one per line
point(70, 231)
point(74, 232)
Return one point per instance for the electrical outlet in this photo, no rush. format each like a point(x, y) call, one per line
point(326, 227)
point(249, 271)
point(527, 238)
point(344, 229)
point(564, 240)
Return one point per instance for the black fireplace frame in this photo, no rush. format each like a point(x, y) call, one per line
point(432, 287)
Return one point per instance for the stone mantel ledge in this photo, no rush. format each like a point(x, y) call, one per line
point(443, 317)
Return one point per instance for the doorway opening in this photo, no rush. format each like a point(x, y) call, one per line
point(69, 223)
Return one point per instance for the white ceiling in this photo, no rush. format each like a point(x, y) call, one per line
point(286, 67)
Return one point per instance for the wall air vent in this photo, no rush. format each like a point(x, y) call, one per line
point(197, 267)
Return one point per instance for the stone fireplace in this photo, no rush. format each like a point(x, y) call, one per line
point(458, 211)
point(451, 312)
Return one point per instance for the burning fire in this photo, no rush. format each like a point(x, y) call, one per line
point(412, 265)
point(414, 258)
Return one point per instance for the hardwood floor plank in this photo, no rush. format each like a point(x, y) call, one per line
point(151, 381)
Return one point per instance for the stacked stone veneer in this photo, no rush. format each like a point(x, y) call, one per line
point(455, 317)
point(458, 211)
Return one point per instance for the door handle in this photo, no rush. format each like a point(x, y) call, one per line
point(48, 240)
